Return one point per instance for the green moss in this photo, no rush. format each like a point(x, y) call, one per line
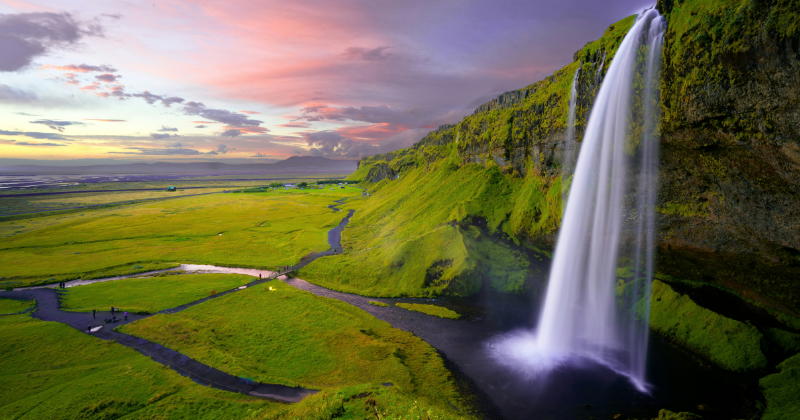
point(730, 344)
point(378, 303)
point(781, 391)
point(429, 310)
point(789, 342)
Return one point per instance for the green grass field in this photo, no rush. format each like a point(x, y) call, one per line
point(51, 371)
point(12, 306)
point(149, 294)
point(293, 337)
point(262, 230)
point(429, 310)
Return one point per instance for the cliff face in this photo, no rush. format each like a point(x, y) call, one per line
point(729, 195)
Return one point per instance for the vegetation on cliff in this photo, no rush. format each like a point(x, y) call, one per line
point(781, 391)
point(730, 344)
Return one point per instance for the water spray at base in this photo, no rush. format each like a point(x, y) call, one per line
point(589, 314)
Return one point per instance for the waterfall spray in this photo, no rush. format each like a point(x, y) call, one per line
point(587, 313)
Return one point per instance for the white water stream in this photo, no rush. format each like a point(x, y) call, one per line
point(583, 317)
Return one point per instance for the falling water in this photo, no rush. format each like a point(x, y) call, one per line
point(599, 73)
point(582, 316)
point(569, 136)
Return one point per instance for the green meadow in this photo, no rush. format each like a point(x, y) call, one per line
point(292, 337)
point(149, 294)
point(266, 229)
point(12, 306)
point(51, 371)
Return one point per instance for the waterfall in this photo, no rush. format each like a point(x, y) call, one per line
point(567, 164)
point(599, 73)
point(587, 313)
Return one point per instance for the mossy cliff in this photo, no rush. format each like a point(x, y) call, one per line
point(729, 194)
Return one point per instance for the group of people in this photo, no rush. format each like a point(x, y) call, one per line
point(62, 285)
point(286, 268)
point(113, 317)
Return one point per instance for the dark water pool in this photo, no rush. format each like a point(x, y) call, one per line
point(580, 390)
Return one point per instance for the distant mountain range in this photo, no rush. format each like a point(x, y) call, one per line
point(294, 164)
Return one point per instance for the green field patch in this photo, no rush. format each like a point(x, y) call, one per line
point(104, 244)
point(430, 310)
point(51, 371)
point(730, 344)
point(12, 306)
point(377, 303)
point(149, 294)
point(293, 337)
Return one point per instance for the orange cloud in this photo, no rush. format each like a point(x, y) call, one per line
point(249, 112)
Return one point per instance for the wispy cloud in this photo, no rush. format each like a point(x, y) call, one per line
point(165, 128)
point(57, 125)
point(249, 112)
point(25, 36)
point(365, 54)
point(80, 68)
point(33, 135)
point(23, 143)
point(104, 120)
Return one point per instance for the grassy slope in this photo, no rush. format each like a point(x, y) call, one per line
point(730, 344)
point(258, 230)
point(293, 337)
point(150, 294)
point(782, 391)
point(429, 309)
point(51, 371)
point(424, 225)
point(422, 222)
point(11, 306)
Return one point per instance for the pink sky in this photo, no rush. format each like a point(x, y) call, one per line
point(341, 79)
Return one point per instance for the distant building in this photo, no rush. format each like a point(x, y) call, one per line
point(289, 185)
point(171, 188)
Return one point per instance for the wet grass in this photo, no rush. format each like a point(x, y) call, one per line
point(293, 337)
point(429, 310)
point(12, 306)
point(51, 371)
point(149, 294)
point(263, 230)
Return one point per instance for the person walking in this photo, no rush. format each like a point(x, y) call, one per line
point(89, 328)
point(126, 315)
point(112, 310)
point(94, 313)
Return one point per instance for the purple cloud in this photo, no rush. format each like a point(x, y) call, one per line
point(107, 77)
point(363, 54)
point(33, 135)
point(24, 36)
point(57, 125)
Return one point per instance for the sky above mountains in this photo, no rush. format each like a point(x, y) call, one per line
point(264, 80)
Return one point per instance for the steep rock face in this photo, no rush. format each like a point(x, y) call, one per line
point(730, 168)
point(729, 193)
point(380, 171)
